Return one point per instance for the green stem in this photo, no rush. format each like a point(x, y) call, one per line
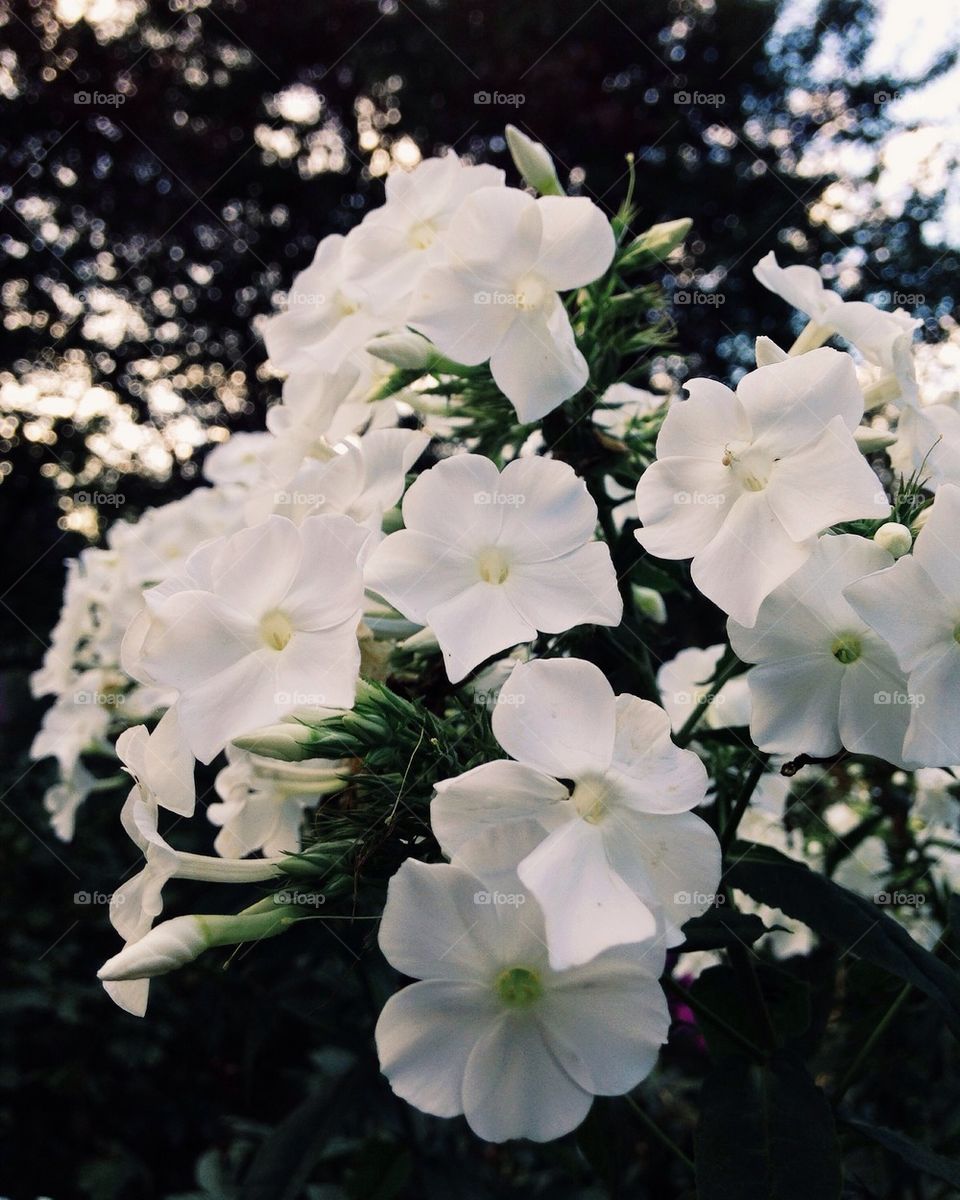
point(743, 800)
point(702, 1010)
point(658, 1133)
point(878, 1031)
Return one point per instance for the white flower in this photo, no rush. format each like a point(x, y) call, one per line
point(395, 243)
point(328, 318)
point(508, 256)
point(139, 900)
point(824, 680)
point(744, 482)
point(238, 460)
point(928, 444)
point(882, 338)
point(685, 680)
point(256, 625)
point(915, 606)
point(263, 801)
point(488, 558)
point(491, 1030)
point(362, 479)
point(620, 851)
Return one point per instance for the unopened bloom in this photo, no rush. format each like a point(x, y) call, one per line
point(915, 606)
point(488, 558)
point(744, 481)
point(620, 854)
point(823, 679)
point(255, 626)
point(533, 161)
point(495, 297)
point(491, 1030)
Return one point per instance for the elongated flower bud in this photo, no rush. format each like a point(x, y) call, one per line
point(534, 163)
point(287, 741)
point(768, 352)
point(407, 350)
point(174, 943)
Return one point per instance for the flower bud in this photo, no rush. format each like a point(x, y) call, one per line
point(650, 603)
point(895, 538)
point(655, 243)
point(165, 948)
point(870, 440)
point(288, 741)
point(768, 352)
point(407, 350)
point(534, 163)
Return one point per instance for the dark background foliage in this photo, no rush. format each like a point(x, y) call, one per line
point(168, 200)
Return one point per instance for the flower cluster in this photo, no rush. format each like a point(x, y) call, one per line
point(467, 662)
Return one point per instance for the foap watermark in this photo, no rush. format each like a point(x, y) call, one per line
point(300, 699)
point(886, 97)
point(499, 99)
point(715, 498)
point(900, 899)
point(308, 499)
point(700, 99)
point(493, 297)
point(300, 899)
point(511, 899)
point(102, 699)
point(94, 898)
point(698, 299)
point(100, 99)
point(490, 700)
point(506, 499)
point(700, 899)
point(100, 499)
point(899, 698)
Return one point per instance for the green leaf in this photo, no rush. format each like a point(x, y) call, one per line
point(765, 1133)
point(719, 927)
point(911, 1152)
point(720, 990)
point(849, 921)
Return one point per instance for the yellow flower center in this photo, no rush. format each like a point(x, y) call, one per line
point(276, 629)
point(492, 565)
point(422, 236)
point(591, 798)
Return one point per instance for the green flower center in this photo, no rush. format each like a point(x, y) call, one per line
point(276, 629)
point(591, 798)
point(519, 987)
point(846, 648)
point(956, 634)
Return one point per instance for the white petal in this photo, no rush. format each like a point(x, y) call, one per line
point(795, 705)
point(424, 1037)
point(455, 502)
point(557, 715)
point(607, 1027)
point(537, 364)
point(791, 402)
point(416, 573)
point(514, 1087)
point(434, 928)
point(495, 234)
point(580, 588)
point(547, 510)
point(747, 559)
point(475, 624)
point(651, 773)
point(490, 794)
point(587, 906)
point(703, 425)
point(578, 243)
point(452, 308)
point(933, 737)
point(826, 482)
point(671, 861)
point(906, 609)
point(682, 503)
point(194, 637)
point(874, 705)
point(936, 545)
